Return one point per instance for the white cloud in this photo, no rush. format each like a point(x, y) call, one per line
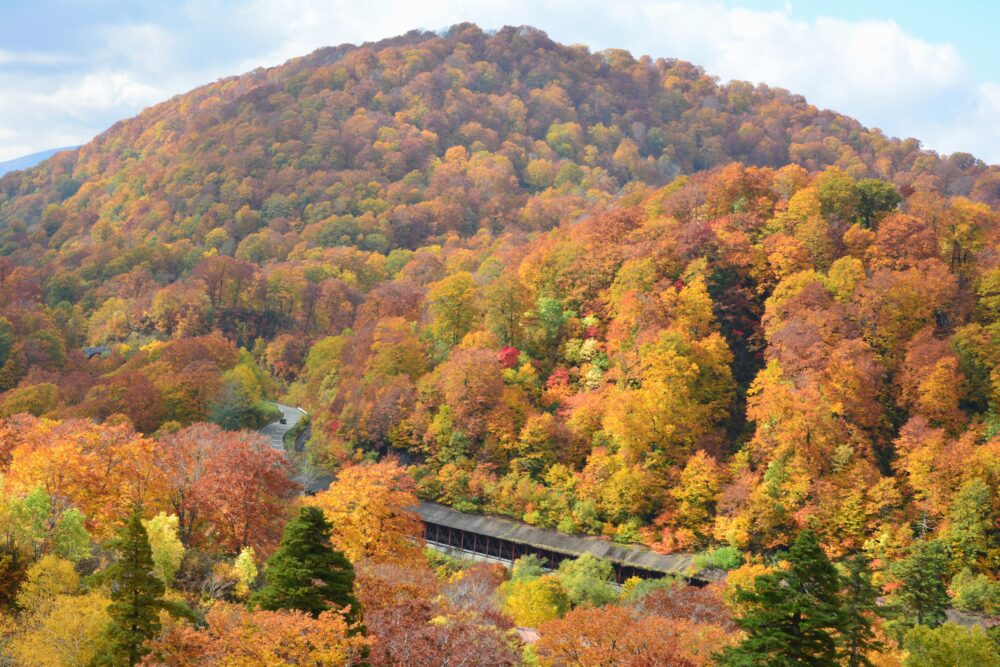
point(34, 118)
point(872, 70)
point(31, 58)
point(100, 91)
point(975, 130)
point(144, 46)
point(870, 65)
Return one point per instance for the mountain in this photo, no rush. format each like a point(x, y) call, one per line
point(28, 161)
point(596, 292)
point(372, 122)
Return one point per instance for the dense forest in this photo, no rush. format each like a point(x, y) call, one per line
point(596, 293)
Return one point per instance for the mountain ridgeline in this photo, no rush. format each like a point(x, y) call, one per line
point(591, 291)
point(352, 144)
point(28, 161)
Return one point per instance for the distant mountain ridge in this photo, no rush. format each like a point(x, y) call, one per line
point(29, 161)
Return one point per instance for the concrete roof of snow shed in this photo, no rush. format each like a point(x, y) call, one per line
point(573, 545)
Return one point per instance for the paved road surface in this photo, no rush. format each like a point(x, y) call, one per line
point(276, 430)
point(310, 480)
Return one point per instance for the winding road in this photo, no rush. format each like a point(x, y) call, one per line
point(276, 430)
point(310, 479)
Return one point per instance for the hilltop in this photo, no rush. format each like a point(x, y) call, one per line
point(352, 143)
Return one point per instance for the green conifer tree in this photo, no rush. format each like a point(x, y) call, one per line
point(306, 572)
point(860, 608)
point(795, 614)
point(136, 595)
point(922, 593)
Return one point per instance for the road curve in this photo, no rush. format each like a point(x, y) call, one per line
point(276, 430)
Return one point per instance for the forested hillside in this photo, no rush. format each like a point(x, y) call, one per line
point(594, 292)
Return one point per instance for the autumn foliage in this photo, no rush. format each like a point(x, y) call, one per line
point(593, 292)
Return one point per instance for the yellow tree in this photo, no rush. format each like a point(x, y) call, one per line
point(452, 307)
point(49, 577)
point(168, 551)
point(531, 602)
point(685, 391)
point(371, 508)
point(68, 631)
point(395, 350)
point(697, 491)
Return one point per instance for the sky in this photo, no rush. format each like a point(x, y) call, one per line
point(69, 69)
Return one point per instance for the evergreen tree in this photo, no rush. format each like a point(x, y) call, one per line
point(136, 594)
point(794, 615)
point(860, 607)
point(306, 572)
point(922, 593)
